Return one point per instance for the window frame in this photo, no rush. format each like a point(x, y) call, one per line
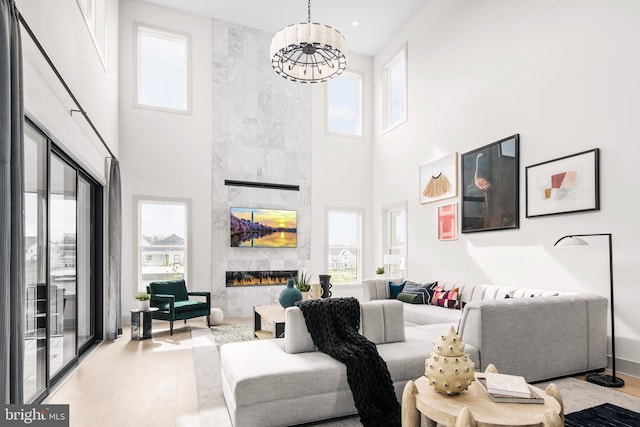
point(137, 241)
point(360, 241)
point(359, 77)
point(387, 238)
point(399, 57)
point(168, 34)
point(95, 18)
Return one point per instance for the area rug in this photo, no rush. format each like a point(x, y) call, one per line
point(232, 333)
point(577, 394)
point(603, 415)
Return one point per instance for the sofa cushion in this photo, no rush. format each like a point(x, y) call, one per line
point(395, 289)
point(447, 299)
point(430, 314)
point(410, 298)
point(425, 290)
point(382, 321)
point(184, 306)
point(178, 288)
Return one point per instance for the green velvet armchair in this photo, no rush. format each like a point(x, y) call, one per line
point(172, 300)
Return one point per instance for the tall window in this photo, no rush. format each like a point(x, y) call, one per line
point(395, 241)
point(162, 241)
point(344, 245)
point(94, 13)
point(163, 70)
point(395, 90)
point(344, 104)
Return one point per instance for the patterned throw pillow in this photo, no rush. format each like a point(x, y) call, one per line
point(424, 290)
point(395, 289)
point(448, 299)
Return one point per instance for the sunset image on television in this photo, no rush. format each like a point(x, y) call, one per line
point(263, 228)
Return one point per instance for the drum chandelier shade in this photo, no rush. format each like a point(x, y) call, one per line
point(308, 52)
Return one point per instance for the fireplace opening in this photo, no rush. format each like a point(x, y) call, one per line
point(259, 278)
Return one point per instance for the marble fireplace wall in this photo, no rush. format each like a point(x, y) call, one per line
point(261, 132)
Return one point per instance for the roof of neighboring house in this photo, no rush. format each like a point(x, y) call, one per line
point(340, 252)
point(173, 239)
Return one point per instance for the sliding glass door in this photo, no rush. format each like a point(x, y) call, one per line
point(35, 210)
point(62, 250)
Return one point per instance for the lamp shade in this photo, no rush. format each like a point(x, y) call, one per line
point(570, 242)
point(391, 259)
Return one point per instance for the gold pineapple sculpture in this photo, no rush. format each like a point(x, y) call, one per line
point(448, 368)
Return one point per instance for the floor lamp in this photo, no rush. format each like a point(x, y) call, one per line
point(600, 379)
point(389, 260)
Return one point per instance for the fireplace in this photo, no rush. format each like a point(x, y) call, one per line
point(237, 279)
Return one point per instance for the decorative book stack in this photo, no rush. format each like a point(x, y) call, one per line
point(503, 388)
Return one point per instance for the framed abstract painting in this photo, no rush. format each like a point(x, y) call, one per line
point(490, 197)
point(439, 179)
point(448, 222)
point(564, 185)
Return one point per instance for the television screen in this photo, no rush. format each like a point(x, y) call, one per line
point(263, 228)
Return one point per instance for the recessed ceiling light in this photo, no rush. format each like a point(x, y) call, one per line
point(355, 23)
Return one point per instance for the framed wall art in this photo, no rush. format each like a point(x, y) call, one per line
point(564, 185)
point(439, 179)
point(490, 195)
point(448, 222)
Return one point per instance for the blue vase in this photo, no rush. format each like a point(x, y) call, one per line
point(289, 295)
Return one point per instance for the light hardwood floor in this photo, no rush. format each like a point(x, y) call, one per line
point(151, 382)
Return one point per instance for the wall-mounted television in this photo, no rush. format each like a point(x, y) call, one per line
point(263, 228)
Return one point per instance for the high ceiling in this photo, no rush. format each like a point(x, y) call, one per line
point(377, 20)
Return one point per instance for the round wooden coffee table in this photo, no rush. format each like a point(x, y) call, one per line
point(475, 408)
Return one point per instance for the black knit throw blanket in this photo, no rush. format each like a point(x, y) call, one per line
point(333, 324)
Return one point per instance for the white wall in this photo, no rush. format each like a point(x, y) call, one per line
point(62, 31)
point(561, 74)
point(341, 172)
point(166, 155)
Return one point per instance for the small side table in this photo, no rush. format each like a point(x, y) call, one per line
point(141, 330)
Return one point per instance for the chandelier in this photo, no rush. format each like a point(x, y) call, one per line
point(308, 52)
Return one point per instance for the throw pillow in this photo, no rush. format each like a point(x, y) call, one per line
point(448, 299)
point(425, 290)
point(395, 289)
point(410, 298)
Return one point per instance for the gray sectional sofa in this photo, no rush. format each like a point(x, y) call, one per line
point(285, 381)
point(537, 333)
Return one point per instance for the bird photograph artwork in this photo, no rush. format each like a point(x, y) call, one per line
point(489, 175)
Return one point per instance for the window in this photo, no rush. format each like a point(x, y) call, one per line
point(395, 90)
point(395, 239)
point(344, 248)
point(94, 13)
point(163, 70)
point(162, 240)
point(344, 104)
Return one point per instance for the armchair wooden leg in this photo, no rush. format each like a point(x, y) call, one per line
point(208, 321)
point(171, 327)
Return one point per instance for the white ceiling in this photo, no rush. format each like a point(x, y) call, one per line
point(378, 19)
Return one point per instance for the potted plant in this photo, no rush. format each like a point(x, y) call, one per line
point(143, 300)
point(303, 285)
point(380, 270)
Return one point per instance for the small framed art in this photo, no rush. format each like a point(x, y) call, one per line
point(439, 179)
point(448, 222)
point(564, 185)
point(490, 195)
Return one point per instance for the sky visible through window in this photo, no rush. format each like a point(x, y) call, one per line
point(397, 92)
point(162, 70)
point(162, 219)
point(344, 105)
point(343, 229)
